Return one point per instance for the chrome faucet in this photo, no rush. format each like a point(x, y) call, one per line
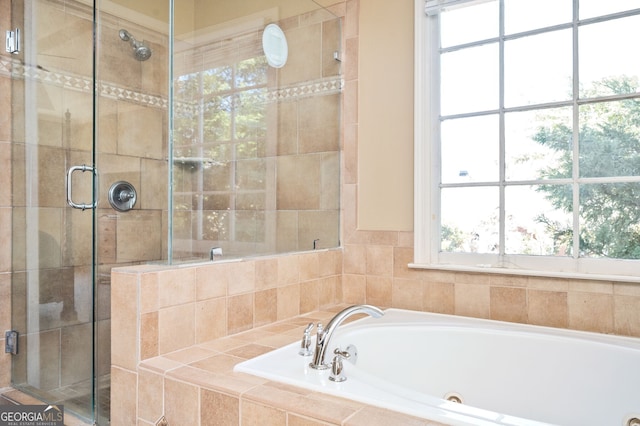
point(305, 344)
point(323, 336)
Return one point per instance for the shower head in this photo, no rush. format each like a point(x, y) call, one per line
point(141, 51)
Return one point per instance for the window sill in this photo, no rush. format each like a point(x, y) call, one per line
point(531, 273)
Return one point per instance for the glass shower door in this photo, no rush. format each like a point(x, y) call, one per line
point(53, 256)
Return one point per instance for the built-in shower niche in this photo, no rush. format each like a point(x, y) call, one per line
point(256, 149)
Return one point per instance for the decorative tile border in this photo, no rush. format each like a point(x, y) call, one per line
point(114, 92)
point(322, 87)
point(15, 68)
point(5, 66)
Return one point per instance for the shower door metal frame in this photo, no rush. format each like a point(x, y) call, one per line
point(25, 45)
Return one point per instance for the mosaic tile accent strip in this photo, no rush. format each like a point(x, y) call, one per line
point(321, 87)
point(114, 92)
point(15, 68)
point(5, 66)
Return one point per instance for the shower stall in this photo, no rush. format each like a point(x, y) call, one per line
point(152, 131)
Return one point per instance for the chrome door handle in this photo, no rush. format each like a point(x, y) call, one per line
point(81, 206)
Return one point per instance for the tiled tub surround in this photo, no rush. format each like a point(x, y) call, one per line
point(168, 320)
point(157, 310)
point(196, 386)
point(506, 373)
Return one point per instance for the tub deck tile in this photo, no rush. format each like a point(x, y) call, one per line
point(303, 402)
point(232, 384)
point(223, 344)
point(160, 364)
point(222, 363)
point(249, 351)
point(192, 354)
point(374, 416)
point(280, 340)
point(209, 366)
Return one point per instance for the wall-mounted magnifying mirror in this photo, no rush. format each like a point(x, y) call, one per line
point(274, 45)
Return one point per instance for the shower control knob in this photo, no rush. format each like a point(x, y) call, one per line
point(122, 196)
point(126, 196)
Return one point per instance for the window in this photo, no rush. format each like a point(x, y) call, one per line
point(528, 136)
point(220, 141)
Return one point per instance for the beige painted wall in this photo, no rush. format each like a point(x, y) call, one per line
point(210, 12)
point(385, 108)
point(153, 8)
point(154, 14)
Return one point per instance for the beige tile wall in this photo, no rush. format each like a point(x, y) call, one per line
point(194, 304)
point(372, 269)
point(132, 144)
point(377, 273)
point(282, 193)
point(308, 140)
point(158, 310)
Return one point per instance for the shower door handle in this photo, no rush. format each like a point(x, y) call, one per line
point(81, 206)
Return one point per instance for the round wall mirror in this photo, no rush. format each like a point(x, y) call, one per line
point(274, 45)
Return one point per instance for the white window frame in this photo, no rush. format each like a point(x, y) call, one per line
point(427, 254)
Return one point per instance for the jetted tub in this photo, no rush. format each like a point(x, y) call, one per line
point(503, 373)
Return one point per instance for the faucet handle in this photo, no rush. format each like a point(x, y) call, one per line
point(337, 367)
point(320, 331)
point(342, 354)
point(309, 328)
point(306, 341)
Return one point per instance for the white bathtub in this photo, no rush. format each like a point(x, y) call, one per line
point(505, 374)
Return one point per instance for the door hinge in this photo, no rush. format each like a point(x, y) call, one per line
point(11, 342)
point(13, 41)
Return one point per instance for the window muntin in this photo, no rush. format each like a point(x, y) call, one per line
point(522, 16)
point(478, 91)
point(465, 232)
point(547, 56)
point(224, 125)
point(619, 227)
point(595, 8)
point(535, 238)
point(559, 110)
point(525, 156)
point(470, 149)
point(602, 55)
point(609, 139)
point(475, 29)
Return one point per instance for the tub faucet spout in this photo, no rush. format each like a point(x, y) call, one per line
point(323, 336)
